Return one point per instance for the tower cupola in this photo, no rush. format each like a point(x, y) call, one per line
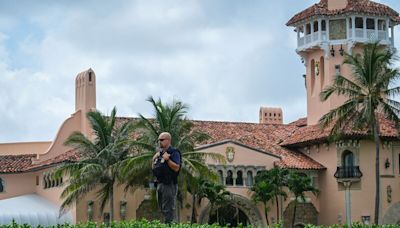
point(329, 29)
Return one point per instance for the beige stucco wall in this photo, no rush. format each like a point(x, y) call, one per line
point(24, 148)
point(315, 108)
point(17, 184)
point(332, 194)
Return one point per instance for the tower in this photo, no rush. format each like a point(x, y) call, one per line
point(85, 96)
point(328, 29)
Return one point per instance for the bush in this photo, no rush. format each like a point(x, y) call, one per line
point(157, 224)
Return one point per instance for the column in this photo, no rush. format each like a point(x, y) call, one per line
point(392, 39)
point(347, 185)
point(353, 26)
point(319, 30)
point(327, 29)
point(347, 28)
point(387, 28)
point(365, 27)
point(376, 29)
point(312, 30)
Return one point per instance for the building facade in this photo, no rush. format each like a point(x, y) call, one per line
point(341, 170)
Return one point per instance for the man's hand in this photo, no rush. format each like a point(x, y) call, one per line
point(156, 156)
point(166, 156)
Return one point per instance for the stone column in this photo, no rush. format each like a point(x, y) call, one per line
point(327, 29)
point(376, 29)
point(387, 29)
point(365, 27)
point(353, 27)
point(347, 185)
point(319, 29)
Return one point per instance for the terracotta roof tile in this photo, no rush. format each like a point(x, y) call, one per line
point(15, 163)
point(23, 163)
point(353, 6)
point(308, 135)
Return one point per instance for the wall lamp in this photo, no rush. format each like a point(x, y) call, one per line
point(341, 51)
point(387, 163)
point(332, 51)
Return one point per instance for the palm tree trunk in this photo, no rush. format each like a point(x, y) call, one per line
point(266, 213)
point(294, 212)
point(377, 173)
point(193, 219)
point(277, 209)
point(111, 201)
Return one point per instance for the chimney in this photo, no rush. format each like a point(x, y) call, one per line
point(337, 4)
point(269, 115)
point(85, 97)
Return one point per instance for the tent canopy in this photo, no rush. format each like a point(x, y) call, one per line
point(31, 209)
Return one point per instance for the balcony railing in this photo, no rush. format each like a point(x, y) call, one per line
point(343, 172)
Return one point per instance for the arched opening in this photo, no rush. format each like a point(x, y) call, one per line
point(229, 216)
point(348, 159)
point(249, 179)
point(239, 178)
point(299, 225)
point(229, 178)
point(322, 71)
point(221, 176)
point(1, 185)
point(312, 76)
point(306, 213)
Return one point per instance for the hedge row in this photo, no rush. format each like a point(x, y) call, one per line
point(157, 224)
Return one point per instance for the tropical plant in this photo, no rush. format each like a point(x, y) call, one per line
point(215, 193)
point(101, 160)
point(263, 191)
point(367, 95)
point(169, 118)
point(298, 184)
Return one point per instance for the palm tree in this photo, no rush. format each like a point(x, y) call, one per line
point(299, 184)
point(367, 94)
point(277, 178)
point(169, 118)
point(215, 193)
point(100, 165)
point(263, 191)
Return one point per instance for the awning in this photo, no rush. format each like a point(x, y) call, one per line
point(31, 209)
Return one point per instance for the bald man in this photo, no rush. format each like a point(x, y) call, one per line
point(167, 178)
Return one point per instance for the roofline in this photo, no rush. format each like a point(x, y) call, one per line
point(326, 139)
point(238, 144)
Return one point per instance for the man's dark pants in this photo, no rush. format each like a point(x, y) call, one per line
point(166, 197)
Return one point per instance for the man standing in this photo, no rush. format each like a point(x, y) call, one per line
point(169, 160)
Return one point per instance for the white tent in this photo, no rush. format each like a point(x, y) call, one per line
point(31, 209)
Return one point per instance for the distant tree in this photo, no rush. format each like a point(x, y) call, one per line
point(299, 184)
point(101, 162)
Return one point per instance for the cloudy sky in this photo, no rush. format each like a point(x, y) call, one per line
point(225, 58)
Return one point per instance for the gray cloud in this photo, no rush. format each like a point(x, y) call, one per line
point(224, 58)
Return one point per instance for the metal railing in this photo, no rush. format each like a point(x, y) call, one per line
point(348, 172)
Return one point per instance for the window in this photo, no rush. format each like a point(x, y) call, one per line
point(249, 180)
point(90, 76)
point(370, 23)
point(323, 25)
point(50, 182)
point(347, 159)
point(1, 185)
point(37, 180)
point(359, 22)
point(315, 26)
point(308, 29)
point(399, 163)
point(381, 25)
point(239, 178)
point(229, 178)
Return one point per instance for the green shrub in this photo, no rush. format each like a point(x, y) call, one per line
point(157, 224)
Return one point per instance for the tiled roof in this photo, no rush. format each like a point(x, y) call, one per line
point(264, 137)
point(312, 134)
point(23, 163)
point(353, 6)
point(15, 163)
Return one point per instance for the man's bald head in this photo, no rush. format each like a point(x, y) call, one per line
point(165, 140)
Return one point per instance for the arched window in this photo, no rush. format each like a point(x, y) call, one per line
point(347, 159)
point(221, 176)
point(249, 180)
point(1, 185)
point(229, 178)
point(312, 77)
point(322, 71)
point(239, 178)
